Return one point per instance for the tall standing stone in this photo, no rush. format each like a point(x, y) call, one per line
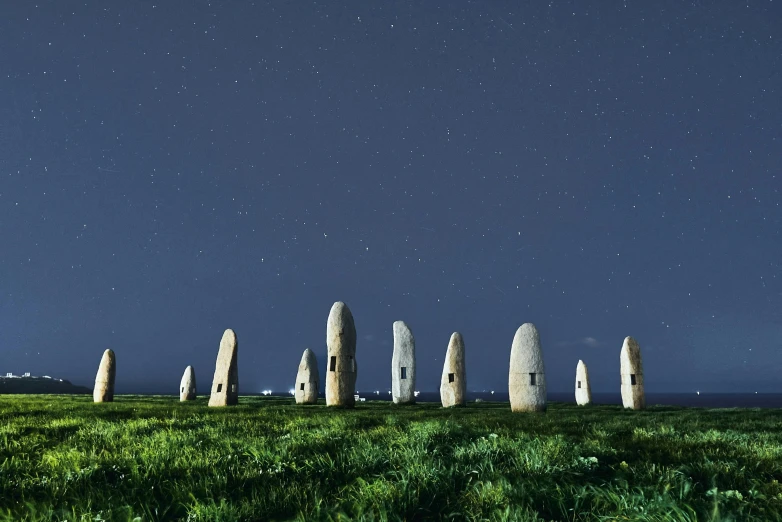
point(341, 370)
point(632, 375)
point(403, 365)
point(307, 379)
point(583, 390)
point(104, 380)
point(225, 384)
point(453, 383)
point(527, 376)
point(187, 386)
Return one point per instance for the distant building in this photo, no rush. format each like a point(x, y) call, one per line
point(9, 374)
point(26, 374)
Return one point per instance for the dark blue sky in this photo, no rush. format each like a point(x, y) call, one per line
point(171, 170)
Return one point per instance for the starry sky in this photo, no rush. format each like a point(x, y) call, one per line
point(601, 169)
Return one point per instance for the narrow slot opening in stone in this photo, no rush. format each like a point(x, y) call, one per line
point(302, 386)
point(579, 384)
point(404, 372)
point(183, 390)
point(219, 388)
point(333, 364)
point(532, 380)
point(632, 379)
point(450, 377)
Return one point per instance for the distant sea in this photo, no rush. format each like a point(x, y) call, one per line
point(704, 400)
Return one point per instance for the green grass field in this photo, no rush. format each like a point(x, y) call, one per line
point(153, 458)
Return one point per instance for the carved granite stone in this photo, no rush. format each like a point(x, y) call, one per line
point(341, 367)
point(225, 384)
point(527, 376)
point(453, 383)
point(307, 379)
point(583, 390)
point(104, 380)
point(403, 365)
point(187, 386)
point(632, 375)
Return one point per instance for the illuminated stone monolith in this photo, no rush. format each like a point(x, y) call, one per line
point(104, 380)
point(307, 379)
point(341, 368)
point(526, 376)
point(632, 375)
point(583, 390)
point(453, 383)
point(403, 365)
point(187, 386)
point(225, 384)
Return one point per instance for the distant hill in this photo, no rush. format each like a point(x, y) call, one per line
point(35, 385)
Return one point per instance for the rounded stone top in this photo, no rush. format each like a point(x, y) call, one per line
point(340, 330)
point(401, 329)
point(108, 352)
point(229, 336)
point(526, 354)
point(308, 359)
point(630, 356)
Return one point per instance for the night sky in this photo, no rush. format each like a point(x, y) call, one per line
point(599, 169)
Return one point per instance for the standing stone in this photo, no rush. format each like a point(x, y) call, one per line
point(225, 384)
point(403, 365)
point(104, 380)
point(342, 368)
point(307, 379)
point(187, 386)
point(527, 377)
point(453, 383)
point(632, 375)
point(583, 390)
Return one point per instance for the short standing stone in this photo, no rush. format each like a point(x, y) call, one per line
point(583, 390)
point(187, 386)
point(632, 375)
point(307, 379)
point(527, 376)
point(403, 365)
point(225, 384)
point(453, 383)
point(341, 367)
point(104, 380)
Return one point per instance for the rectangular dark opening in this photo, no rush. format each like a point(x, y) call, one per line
point(579, 384)
point(333, 364)
point(632, 379)
point(183, 390)
point(532, 379)
point(302, 387)
point(404, 372)
point(219, 388)
point(450, 377)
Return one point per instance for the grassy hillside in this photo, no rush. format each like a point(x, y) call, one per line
point(152, 458)
point(37, 385)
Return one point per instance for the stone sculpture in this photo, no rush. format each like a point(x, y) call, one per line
point(453, 383)
point(341, 369)
point(527, 377)
point(583, 390)
point(104, 380)
point(225, 384)
point(632, 375)
point(307, 379)
point(403, 365)
point(187, 386)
